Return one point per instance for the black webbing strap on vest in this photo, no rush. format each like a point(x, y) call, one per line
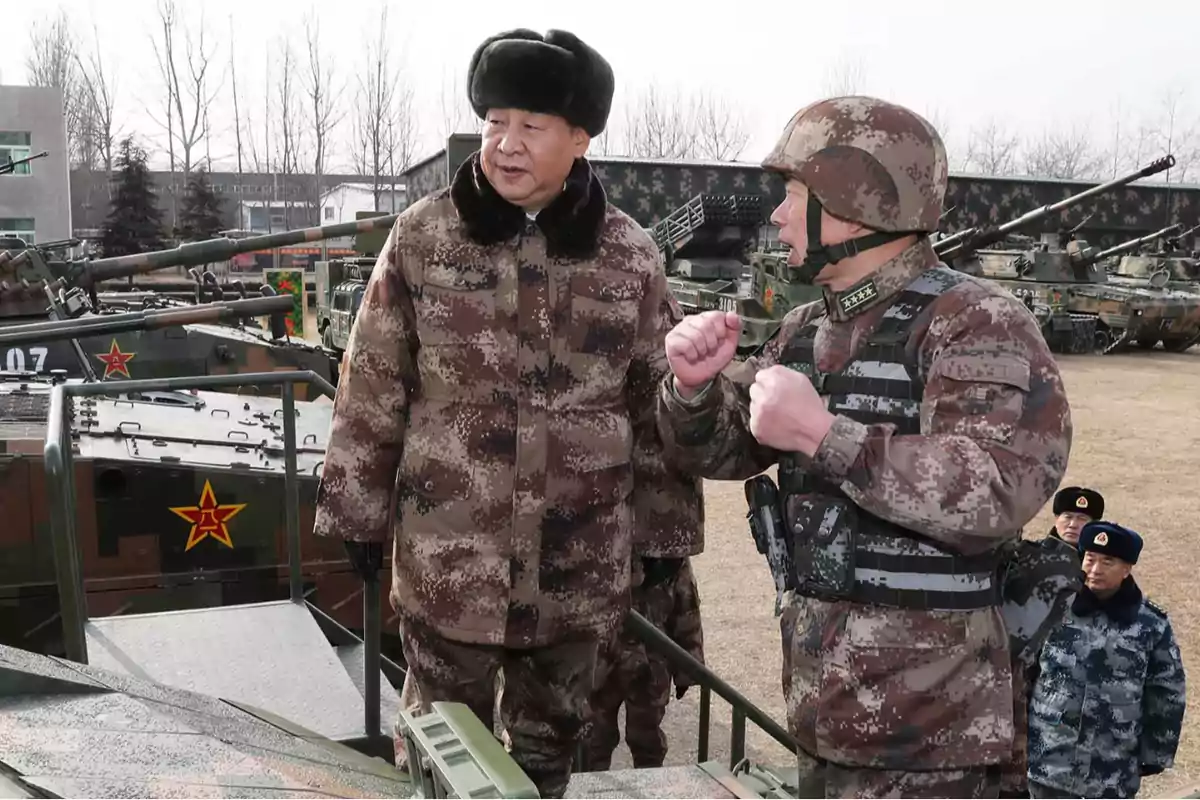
point(891, 566)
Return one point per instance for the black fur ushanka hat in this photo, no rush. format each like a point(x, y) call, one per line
point(556, 74)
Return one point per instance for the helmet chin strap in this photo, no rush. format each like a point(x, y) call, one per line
point(817, 255)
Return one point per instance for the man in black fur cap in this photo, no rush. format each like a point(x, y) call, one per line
point(501, 375)
point(1109, 700)
point(1075, 507)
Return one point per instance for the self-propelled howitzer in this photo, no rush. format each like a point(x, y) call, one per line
point(964, 242)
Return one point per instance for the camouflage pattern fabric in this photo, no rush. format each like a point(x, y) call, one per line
point(892, 688)
point(543, 700)
point(630, 673)
point(866, 160)
point(504, 370)
point(823, 779)
point(1109, 698)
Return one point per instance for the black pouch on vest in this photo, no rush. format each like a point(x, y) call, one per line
point(823, 540)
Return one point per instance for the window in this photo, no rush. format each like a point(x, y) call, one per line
point(328, 212)
point(15, 145)
point(22, 228)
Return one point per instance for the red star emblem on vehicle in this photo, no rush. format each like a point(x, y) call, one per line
point(114, 361)
point(208, 518)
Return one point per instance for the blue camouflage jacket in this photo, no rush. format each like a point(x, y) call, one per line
point(1108, 701)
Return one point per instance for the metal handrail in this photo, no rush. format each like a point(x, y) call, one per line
point(742, 709)
point(60, 474)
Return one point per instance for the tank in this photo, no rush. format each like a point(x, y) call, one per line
point(179, 495)
point(1046, 273)
point(31, 280)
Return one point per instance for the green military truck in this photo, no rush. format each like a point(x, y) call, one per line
point(340, 286)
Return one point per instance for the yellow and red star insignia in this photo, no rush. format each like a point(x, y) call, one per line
point(114, 361)
point(1101, 538)
point(208, 518)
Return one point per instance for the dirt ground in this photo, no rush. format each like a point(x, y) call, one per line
point(1136, 440)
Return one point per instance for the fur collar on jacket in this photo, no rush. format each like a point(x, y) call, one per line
point(571, 223)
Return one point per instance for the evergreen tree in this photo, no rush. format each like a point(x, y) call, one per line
point(200, 215)
point(134, 223)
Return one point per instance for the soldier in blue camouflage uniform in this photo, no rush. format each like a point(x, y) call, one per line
point(1109, 699)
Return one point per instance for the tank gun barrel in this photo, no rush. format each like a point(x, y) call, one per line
point(11, 166)
point(222, 249)
point(971, 239)
point(1132, 244)
point(95, 325)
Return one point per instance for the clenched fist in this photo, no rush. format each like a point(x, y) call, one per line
point(700, 346)
point(786, 412)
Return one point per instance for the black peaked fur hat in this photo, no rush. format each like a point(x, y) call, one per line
point(556, 74)
point(1079, 500)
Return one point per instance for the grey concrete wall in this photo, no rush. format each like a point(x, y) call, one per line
point(44, 194)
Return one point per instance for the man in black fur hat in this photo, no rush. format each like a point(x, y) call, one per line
point(1109, 699)
point(1075, 507)
point(501, 374)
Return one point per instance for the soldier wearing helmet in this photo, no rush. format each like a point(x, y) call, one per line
point(918, 421)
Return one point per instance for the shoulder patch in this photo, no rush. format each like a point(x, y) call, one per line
point(1155, 608)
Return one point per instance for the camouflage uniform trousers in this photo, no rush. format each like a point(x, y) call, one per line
point(629, 672)
point(542, 699)
point(822, 778)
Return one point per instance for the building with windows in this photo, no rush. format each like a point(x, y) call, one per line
point(343, 202)
point(35, 199)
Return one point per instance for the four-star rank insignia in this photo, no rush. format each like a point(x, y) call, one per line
point(115, 361)
point(209, 518)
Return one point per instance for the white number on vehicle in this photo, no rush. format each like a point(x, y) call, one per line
point(15, 359)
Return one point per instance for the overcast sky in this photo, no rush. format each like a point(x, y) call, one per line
point(1032, 65)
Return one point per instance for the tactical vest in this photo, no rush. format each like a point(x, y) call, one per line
point(838, 550)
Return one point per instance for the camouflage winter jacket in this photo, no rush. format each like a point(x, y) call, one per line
point(890, 687)
point(1109, 699)
point(501, 374)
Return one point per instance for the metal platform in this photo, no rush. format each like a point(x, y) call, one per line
point(271, 655)
point(667, 782)
point(71, 730)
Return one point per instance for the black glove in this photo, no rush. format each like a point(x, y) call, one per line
point(1150, 769)
point(366, 558)
point(659, 570)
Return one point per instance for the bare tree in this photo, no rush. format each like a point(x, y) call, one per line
point(237, 125)
point(660, 124)
point(99, 91)
point(845, 76)
point(721, 133)
point(1176, 133)
point(287, 148)
point(375, 120)
point(188, 98)
point(322, 95)
point(455, 107)
point(1064, 154)
point(991, 149)
point(53, 61)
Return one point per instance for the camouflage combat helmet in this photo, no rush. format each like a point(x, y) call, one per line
point(864, 160)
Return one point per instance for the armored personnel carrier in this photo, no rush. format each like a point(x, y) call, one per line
point(177, 498)
point(1045, 274)
point(32, 282)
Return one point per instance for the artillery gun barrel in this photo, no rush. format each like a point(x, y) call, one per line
point(196, 253)
point(1132, 244)
point(974, 238)
point(58, 330)
point(11, 166)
